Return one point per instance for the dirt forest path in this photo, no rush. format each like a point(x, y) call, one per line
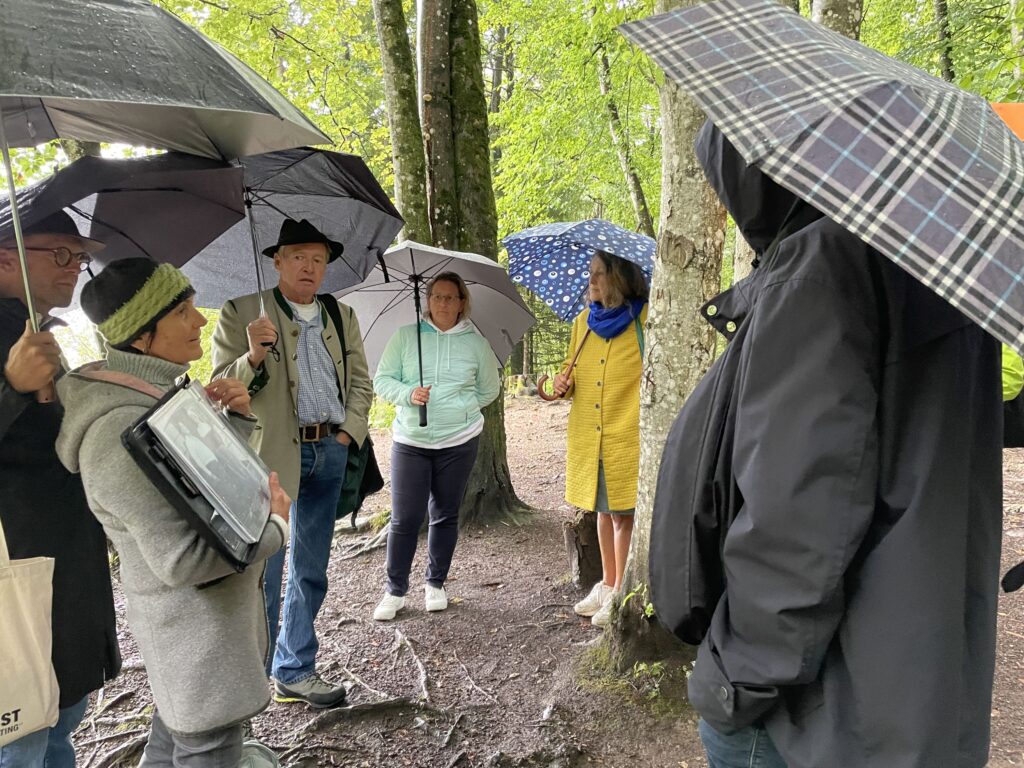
point(508, 676)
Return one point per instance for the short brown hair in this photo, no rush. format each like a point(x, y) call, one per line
point(457, 281)
point(626, 281)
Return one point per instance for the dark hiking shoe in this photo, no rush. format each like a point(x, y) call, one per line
point(312, 690)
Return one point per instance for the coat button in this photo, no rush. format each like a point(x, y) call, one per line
point(597, 405)
point(730, 327)
point(295, 333)
point(295, 357)
point(602, 361)
point(291, 383)
point(723, 693)
point(599, 383)
point(599, 428)
point(712, 310)
point(295, 440)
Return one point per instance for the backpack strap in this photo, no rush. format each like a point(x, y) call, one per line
point(98, 372)
point(639, 335)
point(330, 304)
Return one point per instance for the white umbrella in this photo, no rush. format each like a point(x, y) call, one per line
point(389, 297)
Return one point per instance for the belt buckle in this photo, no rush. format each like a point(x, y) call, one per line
point(310, 433)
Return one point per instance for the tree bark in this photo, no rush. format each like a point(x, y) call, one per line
point(945, 41)
point(680, 345)
point(1016, 38)
point(403, 119)
point(497, 69)
point(742, 258)
point(636, 190)
point(490, 492)
point(583, 549)
point(433, 31)
point(842, 16)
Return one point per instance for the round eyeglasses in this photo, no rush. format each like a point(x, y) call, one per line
point(63, 257)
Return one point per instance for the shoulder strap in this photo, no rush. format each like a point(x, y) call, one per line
point(639, 336)
point(98, 372)
point(334, 311)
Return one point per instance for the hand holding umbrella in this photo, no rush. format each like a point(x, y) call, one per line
point(33, 362)
point(262, 335)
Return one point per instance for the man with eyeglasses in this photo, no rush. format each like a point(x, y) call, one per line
point(307, 375)
point(44, 511)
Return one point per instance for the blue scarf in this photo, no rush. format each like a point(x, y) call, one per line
point(609, 323)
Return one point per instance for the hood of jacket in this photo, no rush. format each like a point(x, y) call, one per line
point(757, 204)
point(86, 400)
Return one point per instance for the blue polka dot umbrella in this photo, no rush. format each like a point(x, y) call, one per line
point(553, 260)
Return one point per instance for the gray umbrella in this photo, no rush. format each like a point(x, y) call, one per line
point(128, 71)
point(389, 297)
point(919, 169)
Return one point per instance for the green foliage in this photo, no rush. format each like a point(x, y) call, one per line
point(985, 59)
point(556, 158)
point(321, 54)
point(382, 413)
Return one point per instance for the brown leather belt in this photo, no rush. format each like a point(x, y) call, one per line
point(314, 432)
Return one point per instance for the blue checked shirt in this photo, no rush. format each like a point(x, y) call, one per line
point(318, 382)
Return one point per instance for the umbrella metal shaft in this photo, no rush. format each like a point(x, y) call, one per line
point(16, 220)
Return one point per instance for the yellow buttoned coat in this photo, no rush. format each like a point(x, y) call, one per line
point(604, 422)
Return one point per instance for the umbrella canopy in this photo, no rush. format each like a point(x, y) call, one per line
point(922, 171)
point(337, 194)
point(553, 260)
point(137, 206)
point(129, 71)
point(1013, 115)
point(386, 300)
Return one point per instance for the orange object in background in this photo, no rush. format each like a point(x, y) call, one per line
point(1013, 116)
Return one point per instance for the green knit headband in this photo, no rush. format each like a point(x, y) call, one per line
point(160, 289)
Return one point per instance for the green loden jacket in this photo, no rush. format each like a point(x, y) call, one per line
point(274, 386)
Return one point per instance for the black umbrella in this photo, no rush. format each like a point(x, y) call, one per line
point(337, 194)
point(167, 207)
point(128, 71)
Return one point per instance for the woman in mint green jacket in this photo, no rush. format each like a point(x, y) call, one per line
point(430, 465)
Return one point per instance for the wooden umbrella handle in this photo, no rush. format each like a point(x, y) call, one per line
point(568, 369)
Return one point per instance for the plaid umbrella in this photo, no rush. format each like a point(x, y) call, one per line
point(553, 260)
point(921, 170)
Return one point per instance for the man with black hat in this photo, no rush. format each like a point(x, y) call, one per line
point(44, 511)
point(304, 363)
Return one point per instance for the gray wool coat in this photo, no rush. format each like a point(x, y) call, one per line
point(204, 649)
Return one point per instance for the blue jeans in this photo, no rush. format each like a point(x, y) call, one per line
point(294, 648)
point(50, 747)
point(748, 748)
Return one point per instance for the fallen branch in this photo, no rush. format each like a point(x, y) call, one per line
point(403, 640)
point(472, 682)
point(448, 736)
point(112, 703)
point(123, 752)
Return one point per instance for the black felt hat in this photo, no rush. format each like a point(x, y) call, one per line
point(300, 232)
point(60, 223)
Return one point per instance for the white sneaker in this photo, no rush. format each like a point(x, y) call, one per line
point(592, 603)
point(604, 616)
point(434, 598)
point(388, 607)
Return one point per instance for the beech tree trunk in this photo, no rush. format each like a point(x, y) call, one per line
point(679, 344)
point(433, 30)
point(1016, 38)
point(742, 258)
point(636, 190)
point(403, 118)
point(945, 41)
point(842, 16)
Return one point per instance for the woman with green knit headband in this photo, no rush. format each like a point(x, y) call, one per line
point(204, 649)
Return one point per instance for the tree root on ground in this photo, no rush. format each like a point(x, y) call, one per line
point(357, 548)
point(401, 640)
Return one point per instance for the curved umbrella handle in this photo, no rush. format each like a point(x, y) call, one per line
point(544, 395)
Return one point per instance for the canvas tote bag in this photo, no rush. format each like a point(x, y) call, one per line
point(28, 686)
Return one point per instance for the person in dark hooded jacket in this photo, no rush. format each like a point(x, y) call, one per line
point(857, 624)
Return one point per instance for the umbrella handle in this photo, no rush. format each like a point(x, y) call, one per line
point(47, 394)
point(545, 395)
point(423, 415)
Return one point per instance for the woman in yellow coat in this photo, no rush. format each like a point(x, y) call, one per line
point(604, 424)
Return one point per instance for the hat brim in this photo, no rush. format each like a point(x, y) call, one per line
point(87, 244)
point(334, 248)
